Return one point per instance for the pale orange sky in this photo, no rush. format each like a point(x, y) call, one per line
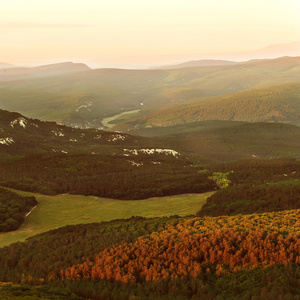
point(112, 32)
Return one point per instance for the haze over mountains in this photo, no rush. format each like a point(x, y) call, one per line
point(75, 95)
point(268, 52)
point(157, 61)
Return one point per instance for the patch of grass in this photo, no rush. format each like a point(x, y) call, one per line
point(61, 210)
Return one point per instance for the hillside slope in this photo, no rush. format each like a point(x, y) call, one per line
point(273, 104)
point(20, 135)
point(51, 159)
point(209, 141)
point(84, 98)
point(229, 257)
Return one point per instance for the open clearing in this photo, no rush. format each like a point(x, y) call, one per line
point(61, 210)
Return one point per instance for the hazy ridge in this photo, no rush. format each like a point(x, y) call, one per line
point(84, 98)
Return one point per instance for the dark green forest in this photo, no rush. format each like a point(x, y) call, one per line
point(13, 209)
point(256, 186)
point(105, 175)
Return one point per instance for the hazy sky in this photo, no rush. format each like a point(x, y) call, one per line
point(107, 31)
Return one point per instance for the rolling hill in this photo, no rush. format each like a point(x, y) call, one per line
point(52, 159)
point(21, 136)
point(84, 98)
point(12, 73)
point(229, 257)
point(272, 104)
point(207, 141)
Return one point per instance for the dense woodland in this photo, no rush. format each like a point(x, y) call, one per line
point(243, 256)
point(13, 209)
point(236, 257)
point(256, 186)
point(110, 176)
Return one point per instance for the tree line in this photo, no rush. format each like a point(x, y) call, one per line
point(109, 176)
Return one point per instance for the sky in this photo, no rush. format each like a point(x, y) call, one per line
point(140, 32)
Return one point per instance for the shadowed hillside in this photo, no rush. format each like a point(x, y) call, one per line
point(24, 136)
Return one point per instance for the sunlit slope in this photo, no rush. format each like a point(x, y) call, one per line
point(85, 98)
point(229, 257)
point(272, 104)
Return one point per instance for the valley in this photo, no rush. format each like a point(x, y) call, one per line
point(150, 150)
point(77, 96)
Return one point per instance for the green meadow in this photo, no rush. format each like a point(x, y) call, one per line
point(61, 210)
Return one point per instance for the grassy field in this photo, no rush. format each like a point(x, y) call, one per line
point(57, 211)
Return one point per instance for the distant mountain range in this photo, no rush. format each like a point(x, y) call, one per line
point(158, 61)
point(77, 96)
point(268, 52)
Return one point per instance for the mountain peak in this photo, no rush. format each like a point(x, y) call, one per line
point(17, 73)
point(63, 66)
